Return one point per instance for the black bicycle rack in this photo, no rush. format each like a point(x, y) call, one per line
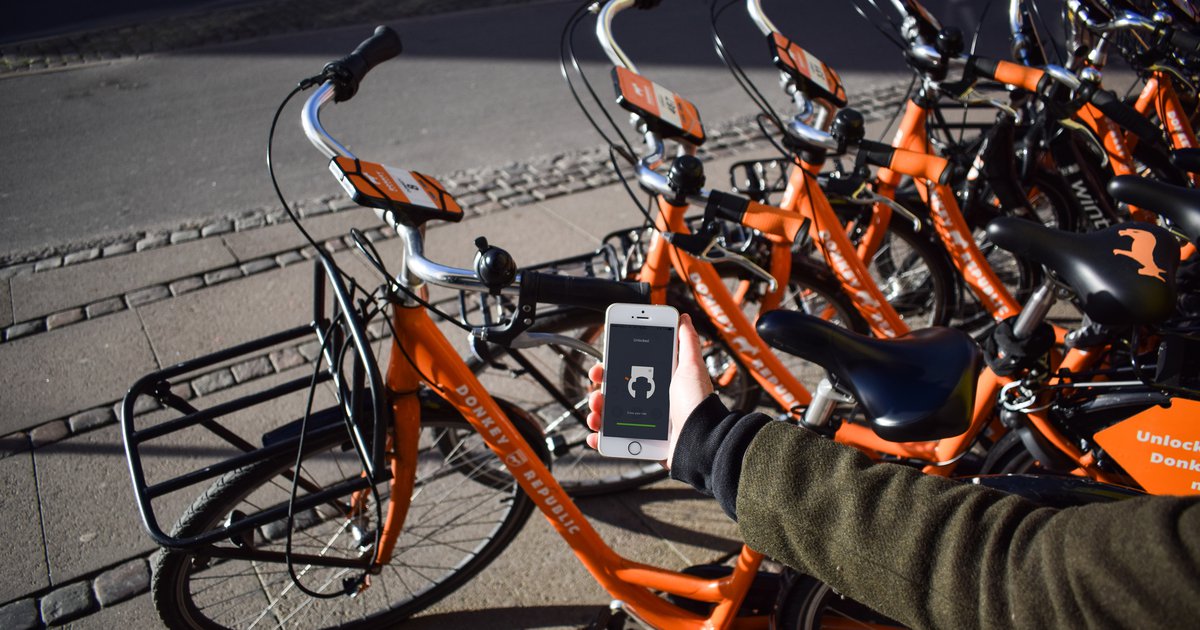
point(345, 361)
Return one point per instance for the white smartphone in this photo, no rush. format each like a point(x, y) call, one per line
point(640, 344)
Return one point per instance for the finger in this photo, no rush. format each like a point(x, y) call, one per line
point(592, 440)
point(691, 357)
point(596, 373)
point(593, 421)
point(596, 404)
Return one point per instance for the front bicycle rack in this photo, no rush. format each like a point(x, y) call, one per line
point(345, 364)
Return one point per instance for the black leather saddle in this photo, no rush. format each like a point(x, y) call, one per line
point(914, 388)
point(1181, 206)
point(1123, 275)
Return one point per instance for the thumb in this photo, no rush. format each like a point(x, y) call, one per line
point(691, 369)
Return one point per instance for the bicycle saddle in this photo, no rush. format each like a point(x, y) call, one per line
point(914, 388)
point(1181, 206)
point(1123, 275)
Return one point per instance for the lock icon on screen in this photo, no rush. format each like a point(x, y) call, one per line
point(637, 373)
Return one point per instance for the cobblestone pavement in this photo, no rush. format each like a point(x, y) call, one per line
point(260, 19)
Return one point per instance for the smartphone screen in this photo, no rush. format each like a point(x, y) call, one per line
point(637, 379)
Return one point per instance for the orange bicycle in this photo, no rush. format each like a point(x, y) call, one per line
point(404, 485)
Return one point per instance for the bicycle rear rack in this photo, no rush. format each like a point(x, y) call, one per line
point(345, 361)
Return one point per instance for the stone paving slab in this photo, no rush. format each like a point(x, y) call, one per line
point(77, 285)
point(219, 316)
point(64, 371)
point(83, 534)
point(268, 241)
point(25, 561)
point(135, 613)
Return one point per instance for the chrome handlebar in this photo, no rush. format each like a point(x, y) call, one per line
point(415, 267)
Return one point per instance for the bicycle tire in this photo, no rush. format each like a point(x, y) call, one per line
point(913, 271)
point(176, 572)
point(806, 603)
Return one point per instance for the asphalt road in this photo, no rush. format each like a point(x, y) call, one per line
point(165, 139)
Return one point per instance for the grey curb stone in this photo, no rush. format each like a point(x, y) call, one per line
point(24, 328)
point(83, 256)
point(310, 350)
point(213, 229)
point(256, 266)
point(147, 295)
point(20, 615)
point(11, 445)
point(221, 275)
point(104, 307)
point(151, 242)
point(67, 603)
point(288, 258)
point(179, 287)
point(184, 236)
point(212, 382)
point(123, 582)
point(118, 248)
point(246, 223)
point(49, 433)
point(286, 359)
point(252, 369)
point(49, 263)
point(15, 270)
point(64, 318)
point(143, 404)
point(91, 418)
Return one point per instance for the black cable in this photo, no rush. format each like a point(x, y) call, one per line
point(739, 75)
point(891, 37)
point(1059, 54)
point(566, 50)
point(291, 517)
point(364, 244)
point(612, 157)
point(912, 82)
point(303, 85)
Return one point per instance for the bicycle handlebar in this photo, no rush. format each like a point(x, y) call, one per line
point(346, 73)
point(383, 45)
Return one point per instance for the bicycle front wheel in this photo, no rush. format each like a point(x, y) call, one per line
point(460, 518)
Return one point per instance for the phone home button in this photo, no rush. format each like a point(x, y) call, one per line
point(635, 448)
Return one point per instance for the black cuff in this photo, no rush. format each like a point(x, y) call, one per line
point(708, 455)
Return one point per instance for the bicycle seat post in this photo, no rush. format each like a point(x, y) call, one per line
point(1035, 310)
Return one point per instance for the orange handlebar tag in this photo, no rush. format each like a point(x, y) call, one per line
point(667, 113)
point(811, 74)
point(413, 197)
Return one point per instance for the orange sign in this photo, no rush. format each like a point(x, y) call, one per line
point(649, 99)
point(803, 66)
point(1160, 448)
point(379, 186)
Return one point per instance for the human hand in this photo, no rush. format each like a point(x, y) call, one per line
point(690, 385)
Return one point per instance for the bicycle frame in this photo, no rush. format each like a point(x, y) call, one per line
point(948, 220)
point(628, 581)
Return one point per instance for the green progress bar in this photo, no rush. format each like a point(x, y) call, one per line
point(634, 424)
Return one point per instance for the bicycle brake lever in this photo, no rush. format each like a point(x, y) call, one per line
point(867, 196)
point(718, 253)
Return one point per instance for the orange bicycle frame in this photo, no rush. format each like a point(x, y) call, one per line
point(948, 221)
point(435, 362)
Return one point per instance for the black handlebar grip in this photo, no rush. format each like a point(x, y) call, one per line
point(347, 72)
point(591, 293)
point(1185, 42)
point(1111, 106)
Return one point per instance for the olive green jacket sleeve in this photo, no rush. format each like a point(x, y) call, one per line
point(935, 553)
